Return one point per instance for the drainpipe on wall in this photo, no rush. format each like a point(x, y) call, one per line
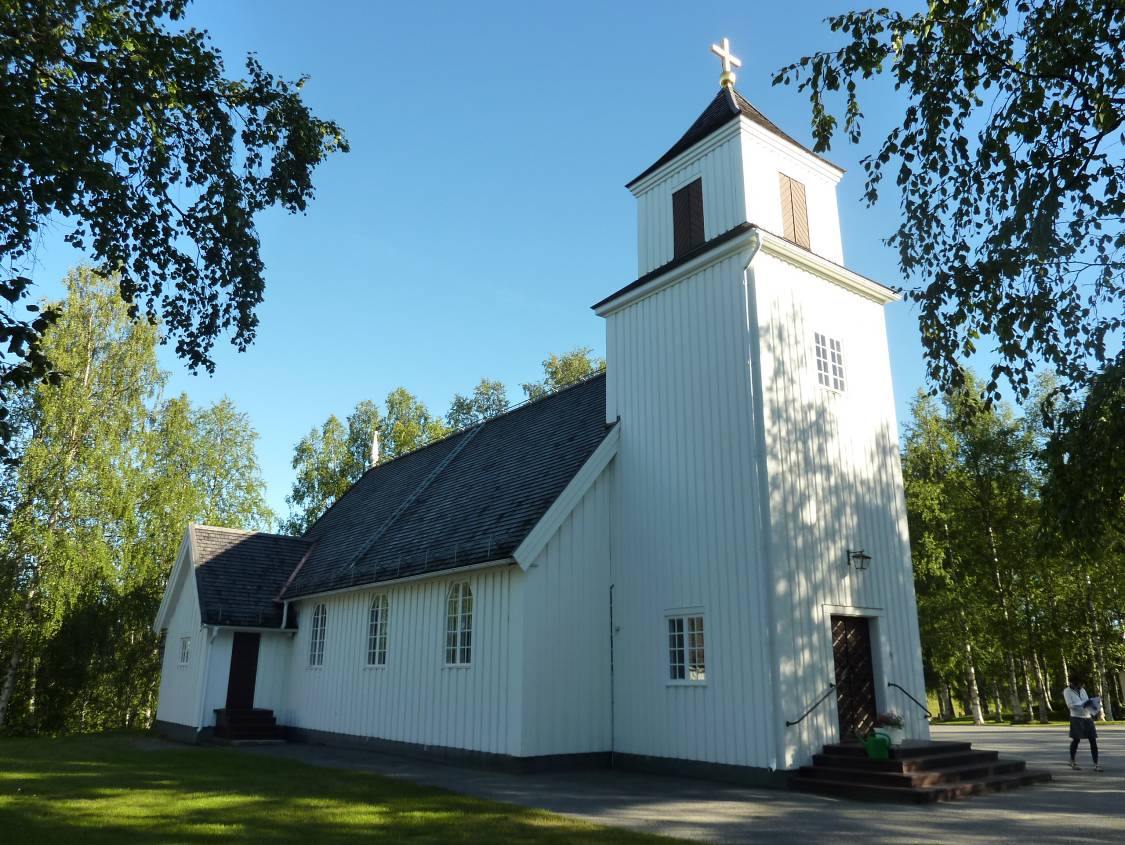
point(761, 515)
point(611, 683)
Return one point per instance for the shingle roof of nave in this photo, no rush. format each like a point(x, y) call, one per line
point(468, 499)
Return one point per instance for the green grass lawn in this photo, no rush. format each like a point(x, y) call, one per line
point(125, 788)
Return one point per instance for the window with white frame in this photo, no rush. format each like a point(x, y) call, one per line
point(686, 660)
point(830, 362)
point(459, 625)
point(185, 650)
point(377, 632)
point(316, 635)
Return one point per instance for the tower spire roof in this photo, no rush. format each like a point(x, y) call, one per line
point(726, 106)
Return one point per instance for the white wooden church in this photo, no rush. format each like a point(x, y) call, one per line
point(664, 566)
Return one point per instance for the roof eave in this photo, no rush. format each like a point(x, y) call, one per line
point(507, 560)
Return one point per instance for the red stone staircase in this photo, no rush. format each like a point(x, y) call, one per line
point(917, 772)
point(254, 725)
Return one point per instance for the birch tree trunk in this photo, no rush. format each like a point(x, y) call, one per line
point(1028, 697)
point(1017, 707)
point(1041, 682)
point(1106, 690)
point(10, 678)
point(947, 712)
point(974, 691)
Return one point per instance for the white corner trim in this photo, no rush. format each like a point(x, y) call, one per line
point(185, 556)
point(827, 270)
point(572, 494)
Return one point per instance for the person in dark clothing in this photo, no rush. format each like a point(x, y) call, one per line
point(1082, 711)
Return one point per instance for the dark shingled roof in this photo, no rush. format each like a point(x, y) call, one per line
point(468, 499)
point(238, 574)
point(727, 105)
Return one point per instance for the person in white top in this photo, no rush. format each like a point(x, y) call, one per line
point(1082, 712)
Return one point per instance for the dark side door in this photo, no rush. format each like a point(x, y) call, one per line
point(855, 676)
point(243, 670)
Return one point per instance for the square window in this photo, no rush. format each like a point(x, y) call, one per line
point(686, 660)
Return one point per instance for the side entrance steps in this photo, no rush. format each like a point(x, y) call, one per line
point(245, 726)
point(917, 773)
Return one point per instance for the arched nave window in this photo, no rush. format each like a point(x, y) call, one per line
point(316, 635)
point(377, 632)
point(459, 625)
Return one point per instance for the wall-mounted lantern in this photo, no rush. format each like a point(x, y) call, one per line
point(859, 559)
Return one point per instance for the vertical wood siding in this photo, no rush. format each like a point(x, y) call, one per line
point(179, 685)
point(566, 707)
point(685, 509)
point(274, 659)
point(834, 484)
point(415, 698)
point(218, 674)
point(724, 208)
point(763, 163)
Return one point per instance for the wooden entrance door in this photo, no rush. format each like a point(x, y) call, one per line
point(243, 671)
point(855, 676)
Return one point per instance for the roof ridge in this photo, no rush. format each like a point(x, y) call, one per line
point(413, 497)
point(196, 525)
point(527, 403)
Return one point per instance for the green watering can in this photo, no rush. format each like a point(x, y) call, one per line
point(878, 747)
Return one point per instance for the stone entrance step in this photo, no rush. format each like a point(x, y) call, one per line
point(915, 773)
point(256, 725)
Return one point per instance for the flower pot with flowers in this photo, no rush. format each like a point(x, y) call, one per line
point(891, 725)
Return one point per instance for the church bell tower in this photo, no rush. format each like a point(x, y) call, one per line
point(750, 375)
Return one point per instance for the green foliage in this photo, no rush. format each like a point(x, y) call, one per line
point(331, 459)
point(489, 399)
point(109, 475)
point(117, 117)
point(561, 371)
point(1004, 588)
point(1086, 467)
point(1011, 166)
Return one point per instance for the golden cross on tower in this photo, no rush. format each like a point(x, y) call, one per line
point(729, 60)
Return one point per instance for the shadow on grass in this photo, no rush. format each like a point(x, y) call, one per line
point(108, 788)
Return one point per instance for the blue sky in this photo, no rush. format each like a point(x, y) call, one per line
point(482, 209)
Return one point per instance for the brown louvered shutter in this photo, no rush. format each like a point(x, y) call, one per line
point(794, 211)
point(687, 217)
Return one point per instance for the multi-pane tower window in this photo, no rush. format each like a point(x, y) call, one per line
point(830, 362)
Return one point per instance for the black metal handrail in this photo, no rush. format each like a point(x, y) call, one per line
point(929, 715)
point(819, 701)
